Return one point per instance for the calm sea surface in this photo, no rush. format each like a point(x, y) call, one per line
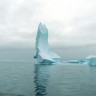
point(20, 76)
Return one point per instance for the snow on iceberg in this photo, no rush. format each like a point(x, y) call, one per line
point(91, 60)
point(43, 53)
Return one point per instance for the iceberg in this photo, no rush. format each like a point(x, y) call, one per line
point(73, 61)
point(91, 60)
point(43, 53)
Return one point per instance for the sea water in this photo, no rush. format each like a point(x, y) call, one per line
point(20, 76)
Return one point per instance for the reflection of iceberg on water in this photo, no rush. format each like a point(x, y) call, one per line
point(41, 79)
point(43, 53)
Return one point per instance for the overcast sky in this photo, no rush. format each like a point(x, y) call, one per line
point(70, 22)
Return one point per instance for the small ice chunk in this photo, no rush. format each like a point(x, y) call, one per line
point(74, 61)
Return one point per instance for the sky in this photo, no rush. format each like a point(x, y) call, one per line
point(70, 22)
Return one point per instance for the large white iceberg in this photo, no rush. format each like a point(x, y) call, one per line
point(91, 60)
point(43, 53)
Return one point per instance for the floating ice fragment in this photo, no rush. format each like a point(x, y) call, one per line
point(91, 60)
point(74, 61)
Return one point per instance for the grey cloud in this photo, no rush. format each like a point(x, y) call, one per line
point(19, 20)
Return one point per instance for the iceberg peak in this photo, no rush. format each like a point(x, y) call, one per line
point(43, 53)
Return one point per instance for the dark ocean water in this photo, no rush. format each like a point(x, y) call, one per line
point(20, 76)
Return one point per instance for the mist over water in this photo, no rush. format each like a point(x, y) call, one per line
point(21, 76)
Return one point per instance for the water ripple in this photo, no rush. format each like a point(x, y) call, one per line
point(41, 79)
